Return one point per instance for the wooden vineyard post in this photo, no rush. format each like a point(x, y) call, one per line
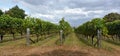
point(99, 38)
point(61, 36)
point(28, 37)
point(0, 38)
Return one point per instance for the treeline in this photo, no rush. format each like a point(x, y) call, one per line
point(108, 27)
point(16, 21)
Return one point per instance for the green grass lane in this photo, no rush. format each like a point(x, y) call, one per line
point(50, 41)
point(72, 40)
point(20, 42)
point(110, 46)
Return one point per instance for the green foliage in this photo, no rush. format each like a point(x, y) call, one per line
point(15, 25)
point(65, 26)
point(98, 23)
point(90, 28)
point(9, 24)
point(5, 22)
point(38, 26)
point(16, 12)
point(113, 27)
point(1, 12)
point(112, 17)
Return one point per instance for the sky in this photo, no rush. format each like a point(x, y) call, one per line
point(76, 12)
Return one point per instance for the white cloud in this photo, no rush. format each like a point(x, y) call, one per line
point(96, 11)
point(78, 11)
point(70, 11)
point(96, 16)
point(4, 9)
point(43, 15)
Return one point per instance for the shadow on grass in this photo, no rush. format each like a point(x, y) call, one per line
point(41, 38)
point(11, 40)
point(58, 42)
point(84, 41)
point(61, 52)
point(87, 42)
point(113, 42)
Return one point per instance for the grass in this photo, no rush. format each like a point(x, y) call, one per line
point(20, 42)
point(106, 46)
point(46, 41)
point(52, 41)
point(9, 37)
point(84, 40)
point(113, 42)
point(9, 41)
point(57, 42)
point(72, 40)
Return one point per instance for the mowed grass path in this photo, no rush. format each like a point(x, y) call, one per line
point(72, 40)
point(48, 42)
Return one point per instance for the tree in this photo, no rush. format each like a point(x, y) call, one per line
point(65, 26)
point(1, 12)
point(98, 25)
point(16, 12)
point(8, 24)
point(91, 28)
point(114, 28)
point(111, 17)
point(37, 28)
point(3, 26)
point(20, 26)
point(65, 29)
point(87, 29)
